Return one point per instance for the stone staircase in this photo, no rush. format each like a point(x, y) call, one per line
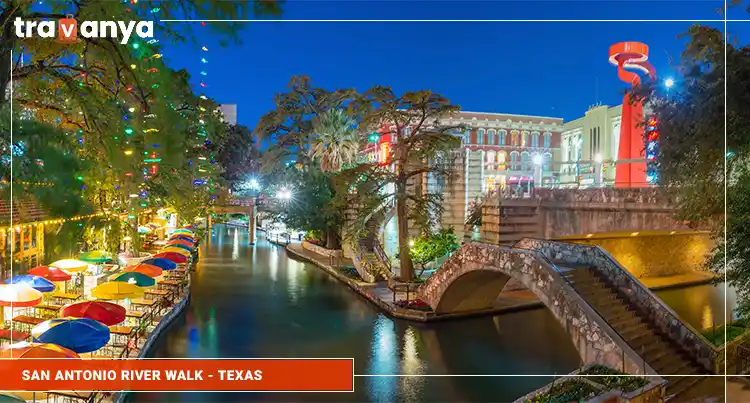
point(659, 352)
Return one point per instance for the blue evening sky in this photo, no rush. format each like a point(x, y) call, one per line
point(533, 68)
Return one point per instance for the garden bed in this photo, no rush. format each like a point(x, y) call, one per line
point(349, 272)
point(733, 330)
point(623, 383)
point(568, 390)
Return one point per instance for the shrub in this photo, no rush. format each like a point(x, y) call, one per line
point(414, 304)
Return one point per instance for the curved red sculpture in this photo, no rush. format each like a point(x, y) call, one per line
point(631, 155)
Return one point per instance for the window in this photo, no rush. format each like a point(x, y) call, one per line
point(514, 161)
point(501, 161)
point(514, 137)
point(491, 155)
point(490, 137)
point(547, 160)
point(480, 136)
point(501, 137)
point(392, 131)
point(408, 131)
point(535, 139)
point(547, 140)
point(525, 161)
point(525, 139)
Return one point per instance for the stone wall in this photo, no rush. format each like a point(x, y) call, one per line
point(492, 266)
point(690, 340)
point(653, 256)
point(335, 253)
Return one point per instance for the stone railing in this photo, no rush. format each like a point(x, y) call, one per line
point(334, 253)
point(596, 341)
point(650, 195)
point(363, 267)
point(665, 319)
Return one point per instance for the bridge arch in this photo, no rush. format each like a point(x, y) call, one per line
point(474, 276)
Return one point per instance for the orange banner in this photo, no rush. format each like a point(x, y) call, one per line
point(321, 375)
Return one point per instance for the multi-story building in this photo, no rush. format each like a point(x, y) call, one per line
point(497, 151)
point(230, 113)
point(589, 144)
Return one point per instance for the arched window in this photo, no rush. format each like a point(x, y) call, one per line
point(501, 161)
point(525, 161)
point(535, 139)
point(490, 137)
point(524, 139)
point(514, 162)
point(466, 139)
point(547, 159)
point(501, 137)
point(491, 160)
point(547, 140)
point(514, 137)
point(480, 136)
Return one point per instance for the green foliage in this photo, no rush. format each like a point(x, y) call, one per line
point(238, 155)
point(431, 247)
point(566, 391)
point(692, 157)
point(616, 380)
point(719, 334)
point(336, 143)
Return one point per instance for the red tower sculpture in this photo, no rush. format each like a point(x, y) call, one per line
point(631, 155)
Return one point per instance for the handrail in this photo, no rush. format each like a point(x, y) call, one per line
point(650, 294)
point(382, 256)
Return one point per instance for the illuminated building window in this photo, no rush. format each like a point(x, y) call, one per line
point(514, 159)
point(490, 137)
point(514, 137)
point(547, 159)
point(408, 131)
point(501, 161)
point(524, 139)
point(501, 137)
point(480, 136)
point(525, 161)
point(535, 139)
point(491, 160)
point(547, 140)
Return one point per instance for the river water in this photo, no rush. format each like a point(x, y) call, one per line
point(254, 301)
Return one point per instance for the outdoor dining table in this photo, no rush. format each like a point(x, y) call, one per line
point(167, 284)
point(155, 294)
point(133, 317)
point(62, 296)
point(141, 303)
point(12, 336)
point(27, 321)
point(120, 334)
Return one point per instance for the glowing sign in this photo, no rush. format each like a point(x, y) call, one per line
point(385, 153)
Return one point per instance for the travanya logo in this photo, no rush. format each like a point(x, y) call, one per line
point(67, 30)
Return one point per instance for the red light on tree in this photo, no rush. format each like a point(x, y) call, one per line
point(653, 136)
point(652, 122)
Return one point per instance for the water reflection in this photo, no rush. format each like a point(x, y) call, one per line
point(260, 303)
point(702, 306)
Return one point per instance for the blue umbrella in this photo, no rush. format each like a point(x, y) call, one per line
point(40, 284)
point(82, 335)
point(164, 264)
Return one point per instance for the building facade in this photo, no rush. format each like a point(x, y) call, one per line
point(589, 144)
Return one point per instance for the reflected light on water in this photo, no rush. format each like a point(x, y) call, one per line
point(236, 245)
point(383, 360)
point(292, 274)
point(273, 263)
point(411, 387)
point(708, 317)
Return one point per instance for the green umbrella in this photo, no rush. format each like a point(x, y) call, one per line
point(96, 256)
point(134, 277)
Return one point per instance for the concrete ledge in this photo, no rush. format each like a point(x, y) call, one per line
point(321, 250)
point(366, 291)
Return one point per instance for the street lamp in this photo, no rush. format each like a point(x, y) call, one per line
point(254, 185)
point(284, 194)
point(669, 83)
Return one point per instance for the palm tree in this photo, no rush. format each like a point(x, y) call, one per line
point(336, 143)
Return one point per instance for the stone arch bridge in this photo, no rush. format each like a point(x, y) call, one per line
point(475, 275)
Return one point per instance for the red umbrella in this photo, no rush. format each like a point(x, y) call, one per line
point(173, 256)
point(104, 312)
point(147, 269)
point(51, 273)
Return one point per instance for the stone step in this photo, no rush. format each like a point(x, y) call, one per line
point(678, 385)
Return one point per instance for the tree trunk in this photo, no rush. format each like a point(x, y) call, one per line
point(407, 268)
point(332, 238)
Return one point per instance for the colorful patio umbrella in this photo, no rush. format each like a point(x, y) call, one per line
point(71, 265)
point(180, 242)
point(173, 256)
point(96, 256)
point(38, 283)
point(134, 277)
point(36, 350)
point(8, 397)
point(51, 273)
point(183, 231)
point(165, 264)
point(180, 246)
point(144, 230)
point(81, 335)
point(176, 250)
point(19, 295)
point(116, 290)
point(107, 313)
point(143, 268)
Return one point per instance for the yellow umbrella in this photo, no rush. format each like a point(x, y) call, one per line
point(71, 265)
point(116, 290)
point(176, 250)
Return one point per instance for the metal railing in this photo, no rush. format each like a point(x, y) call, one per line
point(742, 357)
point(382, 256)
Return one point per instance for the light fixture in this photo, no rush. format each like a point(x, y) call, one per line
point(669, 82)
point(634, 234)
